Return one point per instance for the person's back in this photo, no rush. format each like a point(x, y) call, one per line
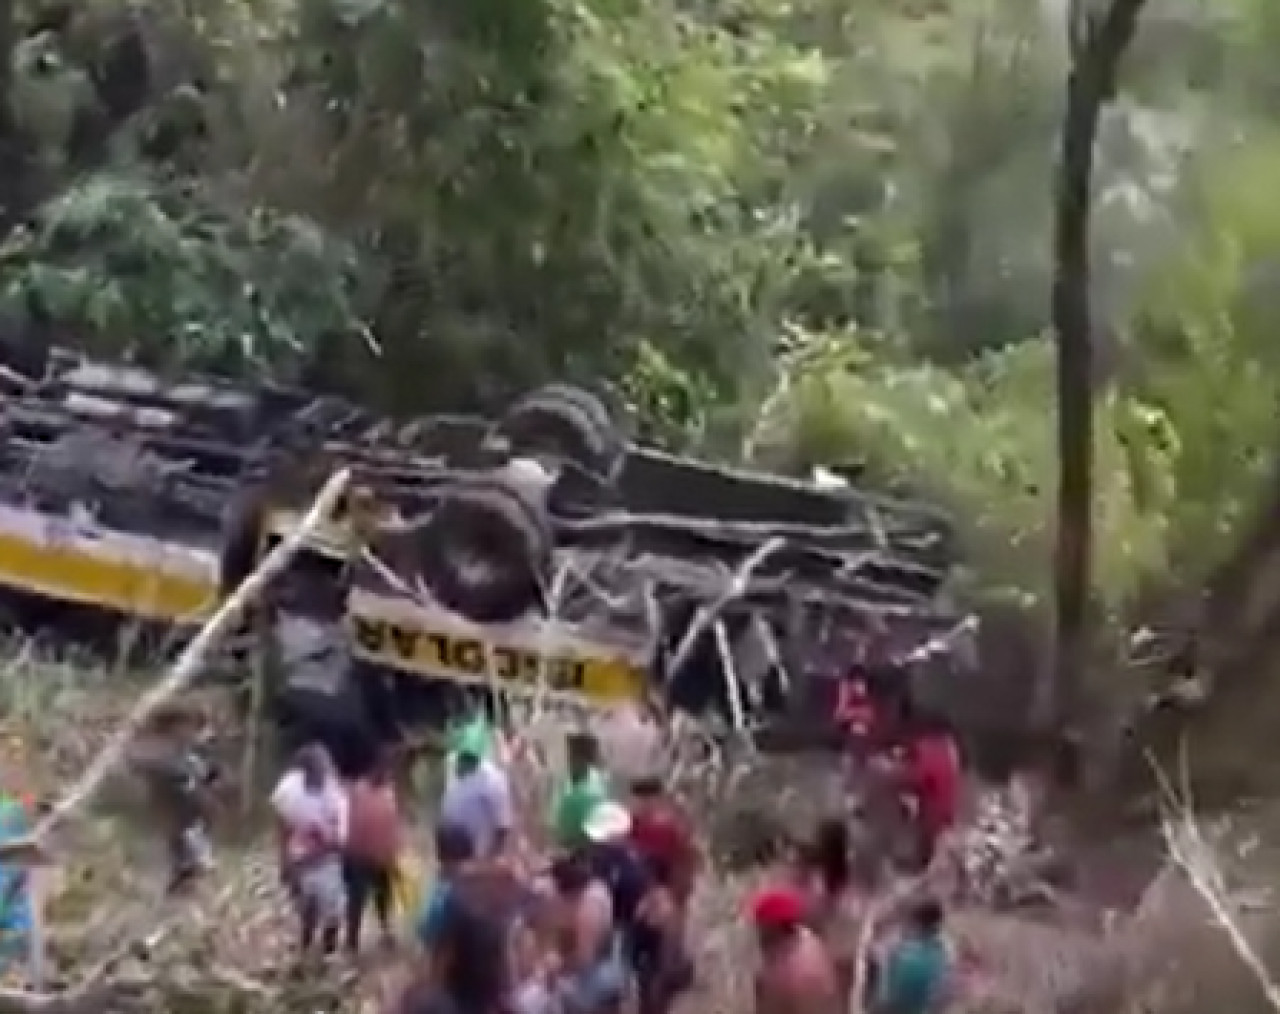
point(478, 797)
point(592, 978)
point(796, 974)
point(808, 977)
point(374, 829)
point(15, 895)
point(626, 876)
point(584, 788)
point(917, 971)
point(469, 968)
point(661, 833)
point(914, 976)
point(933, 780)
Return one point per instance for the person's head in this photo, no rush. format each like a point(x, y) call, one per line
point(382, 770)
point(316, 765)
point(778, 914)
point(583, 750)
point(177, 722)
point(454, 846)
point(571, 872)
point(647, 788)
point(829, 855)
point(469, 748)
point(925, 917)
point(468, 941)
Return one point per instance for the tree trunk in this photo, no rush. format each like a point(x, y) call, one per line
point(1090, 84)
point(13, 153)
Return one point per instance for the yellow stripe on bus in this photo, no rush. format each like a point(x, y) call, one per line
point(439, 655)
point(138, 589)
point(144, 590)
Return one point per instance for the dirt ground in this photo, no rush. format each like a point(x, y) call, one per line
point(234, 937)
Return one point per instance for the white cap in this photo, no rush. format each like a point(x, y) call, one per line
point(608, 821)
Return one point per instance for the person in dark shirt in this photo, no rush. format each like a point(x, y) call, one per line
point(469, 973)
point(173, 758)
point(658, 955)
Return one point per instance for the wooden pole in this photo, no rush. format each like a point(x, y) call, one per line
point(94, 994)
point(193, 658)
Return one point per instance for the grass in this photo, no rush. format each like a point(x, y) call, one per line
point(229, 948)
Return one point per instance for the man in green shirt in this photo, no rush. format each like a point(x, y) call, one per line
point(473, 737)
point(583, 790)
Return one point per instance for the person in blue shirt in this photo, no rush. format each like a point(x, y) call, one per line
point(15, 893)
point(454, 850)
point(916, 976)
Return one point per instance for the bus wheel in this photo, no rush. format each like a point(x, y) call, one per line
point(564, 423)
point(486, 550)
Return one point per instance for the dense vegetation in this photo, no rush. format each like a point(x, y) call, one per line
point(838, 212)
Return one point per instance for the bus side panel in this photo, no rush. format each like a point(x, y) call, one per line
point(72, 574)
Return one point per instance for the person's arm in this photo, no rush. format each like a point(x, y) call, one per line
point(592, 923)
point(658, 910)
point(768, 998)
point(341, 815)
point(563, 811)
point(24, 851)
point(283, 796)
point(504, 817)
point(281, 806)
point(431, 918)
point(897, 979)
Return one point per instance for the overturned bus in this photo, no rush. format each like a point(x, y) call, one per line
point(538, 553)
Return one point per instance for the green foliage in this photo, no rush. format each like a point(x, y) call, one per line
point(553, 189)
point(979, 439)
point(159, 272)
point(804, 232)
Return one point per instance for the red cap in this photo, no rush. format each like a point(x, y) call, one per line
point(778, 906)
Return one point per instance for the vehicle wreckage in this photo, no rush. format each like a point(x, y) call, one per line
point(538, 553)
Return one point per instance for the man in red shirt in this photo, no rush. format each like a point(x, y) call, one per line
point(856, 715)
point(661, 833)
point(932, 779)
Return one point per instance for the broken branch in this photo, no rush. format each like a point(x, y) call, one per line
point(193, 658)
point(709, 613)
point(1186, 846)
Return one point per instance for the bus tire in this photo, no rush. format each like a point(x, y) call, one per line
point(486, 550)
point(567, 423)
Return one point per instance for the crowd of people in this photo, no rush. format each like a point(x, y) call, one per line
point(588, 913)
point(599, 923)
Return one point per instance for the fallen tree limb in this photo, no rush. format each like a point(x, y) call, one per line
point(709, 613)
point(96, 993)
point(94, 999)
point(1187, 848)
point(193, 658)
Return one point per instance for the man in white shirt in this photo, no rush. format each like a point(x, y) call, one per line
point(479, 796)
point(314, 814)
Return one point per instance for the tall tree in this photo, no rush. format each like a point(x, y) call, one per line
point(1099, 41)
point(12, 160)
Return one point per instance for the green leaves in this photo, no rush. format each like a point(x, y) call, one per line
point(160, 272)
